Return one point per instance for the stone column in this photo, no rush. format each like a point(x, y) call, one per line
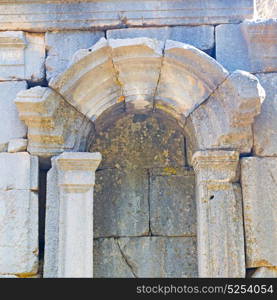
point(69, 215)
point(219, 214)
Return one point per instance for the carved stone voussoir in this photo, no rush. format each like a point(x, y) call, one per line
point(224, 120)
point(53, 125)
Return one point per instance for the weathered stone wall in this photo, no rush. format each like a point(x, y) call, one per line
point(38, 40)
point(144, 204)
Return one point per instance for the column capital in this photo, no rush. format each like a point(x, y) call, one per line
point(219, 165)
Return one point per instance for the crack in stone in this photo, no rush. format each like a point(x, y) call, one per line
point(148, 198)
point(125, 259)
point(159, 77)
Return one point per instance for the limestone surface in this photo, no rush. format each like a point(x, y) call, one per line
point(26, 175)
point(249, 46)
point(121, 203)
point(265, 272)
point(172, 203)
point(258, 177)
point(265, 125)
point(18, 231)
point(17, 145)
point(146, 257)
point(22, 55)
point(201, 37)
point(266, 9)
point(58, 14)
point(10, 125)
point(62, 45)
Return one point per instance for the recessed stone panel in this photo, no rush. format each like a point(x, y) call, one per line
point(172, 203)
point(109, 261)
point(121, 203)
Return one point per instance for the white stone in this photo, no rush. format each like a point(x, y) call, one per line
point(265, 125)
point(40, 15)
point(18, 231)
point(63, 44)
point(69, 230)
point(259, 186)
point(10, 125)
point(188, 77)
point(220, 235)
point(266, 9)
point(249, 46)
point(201, 37)
point(17, 145)
point(21, 55)
point(228, 113)
point(265, 272)
point(18, 171)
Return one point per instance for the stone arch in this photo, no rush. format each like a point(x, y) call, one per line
point(215, 108)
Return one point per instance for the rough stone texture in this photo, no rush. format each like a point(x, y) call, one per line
point(18, 232)
point(140, 140)
point(18, 214)
point(146, 257)
point(109, 261)
point(55, 14)
point(219, 214)
point(62, 45)
point(266, 9)
point(17, 145)
point(69, 230)
point(177, 82)
point(10, 125)
point(188, 77)
point(224, 121)
point(18, 171)
point(172, 203)
point(265, 125)
point(201, 37)
point(121, 203)
point(249, 46)
point(22, 55)
point(258, 177)
point(54, 126)
point(265, 272)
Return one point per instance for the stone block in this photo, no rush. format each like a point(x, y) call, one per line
point(10, 125)
point(108, 260)
point(17, 145)
point(259, 186)
point(18, 232)
point(62, 45)
point(121, 203)
point(265, 124)
point(266, 9)
point(249, 46)
point(172, 203)
point(18, 171)
point(137, 140)
point(22, 55)
point(201, 37)
point(160, 256)
point(43, 15)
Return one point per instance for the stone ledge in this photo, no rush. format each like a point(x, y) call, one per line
point(53, 15)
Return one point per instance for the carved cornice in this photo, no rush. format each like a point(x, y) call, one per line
point(43, 15)
point(53, 125)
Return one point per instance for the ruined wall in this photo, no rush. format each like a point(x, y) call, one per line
point(38, 40)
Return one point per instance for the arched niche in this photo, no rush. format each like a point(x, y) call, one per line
point(142, 76)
